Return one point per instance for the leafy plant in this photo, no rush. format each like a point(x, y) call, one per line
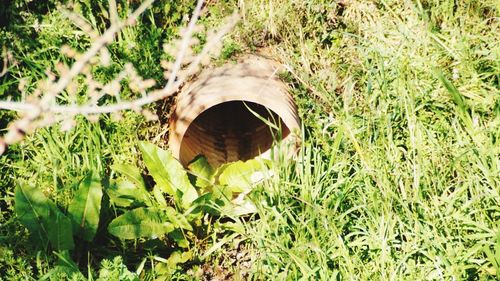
point(169, 175)
point(115, 270)
point(46, 223)
point(143, 214)
point(213, 191)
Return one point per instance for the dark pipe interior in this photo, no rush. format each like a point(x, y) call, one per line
point(229, 132)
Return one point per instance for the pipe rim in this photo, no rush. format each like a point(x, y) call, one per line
point(272, 94)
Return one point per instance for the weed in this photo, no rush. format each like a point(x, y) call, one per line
point(138, 214)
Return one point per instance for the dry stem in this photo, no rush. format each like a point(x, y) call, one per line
point(43, 110)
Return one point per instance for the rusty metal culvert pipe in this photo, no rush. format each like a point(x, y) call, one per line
point(220, 114)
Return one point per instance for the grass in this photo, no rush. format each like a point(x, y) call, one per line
point(398, 174)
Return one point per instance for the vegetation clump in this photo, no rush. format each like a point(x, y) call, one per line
point(397, 177)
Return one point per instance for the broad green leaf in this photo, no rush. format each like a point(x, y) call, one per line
point(178, 219)
point(168, 173)
point(179, 257)
point(60, 233)
point(132, 173)
point(162, 166)
point(140, 222)
point(222, 192)
point(236, 227)
point(65, 266)
point(42, 218)
point(240, 176)
point(85, 207)
point(189, 195)
point(158, 195)
point(32, 208)
point(165, 268)
point(118, 193)
point(201, 206)
point(202, 170)
point(179, 238)
point(125, 193)
point(240, 208)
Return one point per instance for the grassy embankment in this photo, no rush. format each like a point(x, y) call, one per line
point(398, 175)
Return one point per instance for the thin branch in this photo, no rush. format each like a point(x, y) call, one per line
point(184, 44)
point(17, 106)
point(78, 66)
point(105, 39)
point(150, 97)
point(5, 55)
point(43, 109)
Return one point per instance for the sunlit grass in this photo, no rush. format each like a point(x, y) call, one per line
point(398, 174)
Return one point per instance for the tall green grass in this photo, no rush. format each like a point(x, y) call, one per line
point(398, 177)
point(398, 174)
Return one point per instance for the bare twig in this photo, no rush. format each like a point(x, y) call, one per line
point(6, 58)
point(44, 110)
point(184, 44)
point(105, 39)
point(151, 96)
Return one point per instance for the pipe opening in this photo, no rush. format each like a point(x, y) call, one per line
point(230, 132)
